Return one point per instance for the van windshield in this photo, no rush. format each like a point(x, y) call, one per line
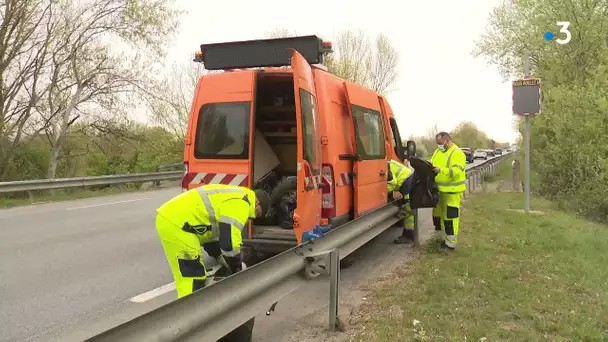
point(223, 131)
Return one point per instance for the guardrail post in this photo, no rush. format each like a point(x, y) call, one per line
point(30, 194)
point(157, 183)
point(473, 181)
point(334, 287)
point(516, 175)
point(121, 187)
point(416, 230)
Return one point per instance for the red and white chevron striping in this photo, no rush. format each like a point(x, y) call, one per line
point(316, 180)
point(345, 179)
point(220, 178)
point(242, 179)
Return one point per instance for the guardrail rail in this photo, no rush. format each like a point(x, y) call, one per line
point(212, 312)
point(64, 183)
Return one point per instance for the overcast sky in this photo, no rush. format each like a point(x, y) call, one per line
point(439, 81)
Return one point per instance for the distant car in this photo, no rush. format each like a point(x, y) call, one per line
point(468, 153)
point(490, 153)
point(509, 151)
point(480, 154)
point(498, 151)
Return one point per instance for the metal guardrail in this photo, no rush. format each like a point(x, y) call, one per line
point(160, 168)
point(214, 311)
point(63, 183)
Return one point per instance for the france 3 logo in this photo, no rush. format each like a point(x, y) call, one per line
point(563, 29)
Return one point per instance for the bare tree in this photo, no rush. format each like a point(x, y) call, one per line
point(87, 76)
point(359, 59)
point(25, 32)
point(383, 66)
point(352, 57)
point(171, 97)
point(280, 33)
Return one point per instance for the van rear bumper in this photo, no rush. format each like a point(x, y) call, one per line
point(275, 244)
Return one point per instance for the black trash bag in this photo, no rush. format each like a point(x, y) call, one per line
point(425, 193)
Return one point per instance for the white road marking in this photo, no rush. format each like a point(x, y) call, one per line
point(159, 291)
point(104, 204)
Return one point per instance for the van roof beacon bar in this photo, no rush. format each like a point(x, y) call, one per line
point(261, 53)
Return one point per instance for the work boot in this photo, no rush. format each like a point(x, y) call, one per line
point(437, 223)
point(445, 248)
point(406, 238)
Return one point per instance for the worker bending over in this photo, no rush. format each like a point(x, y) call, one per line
point(450, 166)
point(212, 216)
point(400, 178)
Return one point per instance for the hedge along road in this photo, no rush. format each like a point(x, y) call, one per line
point(71, 269)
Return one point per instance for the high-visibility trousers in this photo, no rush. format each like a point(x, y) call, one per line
point(408, 219)
point(184, 255)
point(446, 216)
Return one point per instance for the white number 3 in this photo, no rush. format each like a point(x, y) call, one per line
point(564, 29)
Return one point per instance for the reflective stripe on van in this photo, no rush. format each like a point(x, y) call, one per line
point(220, 178)
point(316, 180)
point(345, 179)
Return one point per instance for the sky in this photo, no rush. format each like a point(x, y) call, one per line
point(439, 81)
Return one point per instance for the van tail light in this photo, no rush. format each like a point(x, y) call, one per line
point(188, 177)
point(328, 208)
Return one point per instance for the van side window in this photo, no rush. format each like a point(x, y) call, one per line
point(369, 131)
point(397, 142)
point(310, 132)
point(222, 131)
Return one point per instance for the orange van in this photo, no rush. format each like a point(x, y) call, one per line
point(276, 119)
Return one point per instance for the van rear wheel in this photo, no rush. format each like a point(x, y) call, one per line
point(284, 200)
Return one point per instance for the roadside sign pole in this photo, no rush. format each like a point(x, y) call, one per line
point(527, 141)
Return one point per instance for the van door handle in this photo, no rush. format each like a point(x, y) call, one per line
point(382, 173)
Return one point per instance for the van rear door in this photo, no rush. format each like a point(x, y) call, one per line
point(308, 211)
point(221, 130)
point(369, 143)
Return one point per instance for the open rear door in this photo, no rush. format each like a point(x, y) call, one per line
point(308, 212)
point(369, 143)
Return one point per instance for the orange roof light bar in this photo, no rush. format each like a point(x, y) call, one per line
point(198, 56)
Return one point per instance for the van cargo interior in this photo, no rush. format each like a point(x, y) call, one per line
point(275, 154)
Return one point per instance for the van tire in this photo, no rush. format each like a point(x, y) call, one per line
point(284, 200)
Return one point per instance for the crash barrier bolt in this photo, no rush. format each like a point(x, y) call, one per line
point(334, 288)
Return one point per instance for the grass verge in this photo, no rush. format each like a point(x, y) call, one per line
point(514, 277)
point(63, 195)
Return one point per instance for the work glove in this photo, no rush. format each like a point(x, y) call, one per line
point(234, 263)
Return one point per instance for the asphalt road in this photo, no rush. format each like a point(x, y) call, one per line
point(72, 269)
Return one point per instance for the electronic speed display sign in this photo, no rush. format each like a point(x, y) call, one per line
point(526, 97)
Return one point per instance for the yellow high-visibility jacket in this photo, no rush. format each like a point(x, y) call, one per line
point(452, 164)
point(213, 212)
point(398, 176)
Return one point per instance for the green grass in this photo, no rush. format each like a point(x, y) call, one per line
point(61, 195)
point(515, 277)
point(504, 170)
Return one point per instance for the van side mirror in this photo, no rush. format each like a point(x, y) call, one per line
point(410, 149)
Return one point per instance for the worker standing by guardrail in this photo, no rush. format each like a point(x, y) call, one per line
point(450, 166)
point(400, 179)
